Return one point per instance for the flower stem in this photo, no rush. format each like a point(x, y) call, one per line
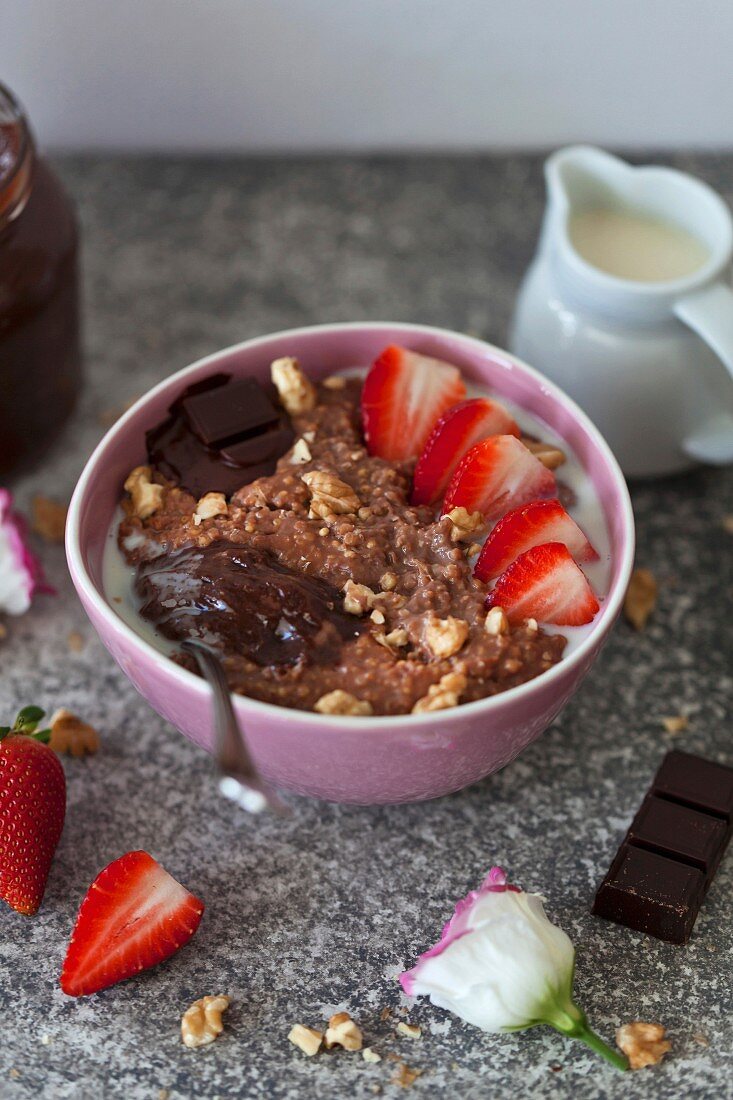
point(571, 1021)
point(597, 1044)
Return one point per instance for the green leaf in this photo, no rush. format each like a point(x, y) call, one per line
point(27, 719)
point(44, 736)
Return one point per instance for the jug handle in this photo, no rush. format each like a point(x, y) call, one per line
point(709, 313)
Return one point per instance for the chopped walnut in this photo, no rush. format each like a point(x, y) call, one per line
point(464, 524)
point(75, 641)
point(473, 549)
point(377, 617)
point(370, 1055)
point(342, 1031)
point(49, 519)
point(676, 723)
point(306, 1039)
point(296, 391)
point(342, 702)
point(411, 1031)
point(442, 695)
point(405, 1076)
point(210, 505)
point(329, 495)
point(202, 1023)
point(145, 495)
point(444, 637)
point(334, 382)
point(643, 1044)
point(70, 734)
point(532, 625)
point(548, 454)
point(641, 598)
point(300, 453)
point(358, 598)
point(388, 581)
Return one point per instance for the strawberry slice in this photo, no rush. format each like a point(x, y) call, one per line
point(404, 394)
point(454, 434)
point(134, 915)
point(497, 474)
point(545, 584)
point(527, 526)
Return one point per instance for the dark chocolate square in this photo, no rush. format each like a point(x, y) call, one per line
point(679, 832)
point(695, 782)
point(235, 411)
point(651, 893)
point(257, 449)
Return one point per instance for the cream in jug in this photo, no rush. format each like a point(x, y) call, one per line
point(627, 306)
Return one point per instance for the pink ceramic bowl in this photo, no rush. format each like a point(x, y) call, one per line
point(367, 760)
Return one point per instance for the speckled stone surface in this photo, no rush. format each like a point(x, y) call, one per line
point(319, 912)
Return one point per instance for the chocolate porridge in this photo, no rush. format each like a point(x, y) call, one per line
point(319, 585)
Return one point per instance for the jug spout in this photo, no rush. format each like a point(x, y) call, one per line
point(582, 176)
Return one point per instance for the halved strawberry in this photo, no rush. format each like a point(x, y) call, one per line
point(134, 915)
point(527, 526)
point(497, 474)
point(404, 394)
point(453, 435)
point(545, 584)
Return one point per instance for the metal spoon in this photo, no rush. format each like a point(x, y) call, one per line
point(240, 780)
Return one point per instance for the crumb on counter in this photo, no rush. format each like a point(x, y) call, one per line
point(643, 1044)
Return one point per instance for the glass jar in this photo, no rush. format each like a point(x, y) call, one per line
point(40, 359)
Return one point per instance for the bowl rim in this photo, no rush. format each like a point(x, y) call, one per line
point(188, 680)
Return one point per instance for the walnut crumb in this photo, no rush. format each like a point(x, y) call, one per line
point(442, 695)
point(394, 640)
point(405, 1075)
point(75, 641)
point(701, 1040)
point(677, 723)
point(342, 1031)
point(358, 598)
point(411, 1031)
point(301, 452)
point(296, 391)
point(548, 454)
point(49, 518)
point(385, 1013)
point(306, 1039)
point(210, 505)
point(334, 382)
point(464, 524)
point(145, 495)
point(532, 625)
point(70, 734)
point(202, 1022)
point(377, 617)
point(641, 598)
point(342, 702)
point(643, 1044)
point(329, 495)
point(388, 581)
point(370, 1055)
point(444, 637)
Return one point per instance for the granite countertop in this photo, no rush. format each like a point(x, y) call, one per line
point(319, 912)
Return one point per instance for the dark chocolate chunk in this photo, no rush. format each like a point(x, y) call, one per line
point(651, 893)
point(679, 832)
point(236, 411)
point(259, 449)
point(695, 782)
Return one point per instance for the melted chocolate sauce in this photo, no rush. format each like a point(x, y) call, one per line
point(183, 457)
point(243, 602)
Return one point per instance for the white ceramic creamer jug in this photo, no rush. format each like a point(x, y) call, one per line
point(648, 357)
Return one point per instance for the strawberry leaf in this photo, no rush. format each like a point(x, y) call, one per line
point(27, 719)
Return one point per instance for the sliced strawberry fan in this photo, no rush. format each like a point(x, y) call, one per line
point(527, 526)
point(134, 916)
point(545, 584)
point(497, 474)
point(456, 432)
point(404, 394)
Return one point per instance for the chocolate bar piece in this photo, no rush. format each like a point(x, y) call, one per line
point(236, 411)
point(661, 873)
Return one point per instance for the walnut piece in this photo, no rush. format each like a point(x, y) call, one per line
point(442, 695)
point(676, 723)
point(49, 519)
point(411, 1031)
point(342, 1031)
point(464, 523)
point(329, 495)
point(548, 454)
point(145, 495)
point(201, 1023)
point(300, 453)
point(210, 505)
point(388, 581)
point(306, 1039)
point(641, 598)
point(334, 382)
point(643, 1044)
point(358, 598)
point(370, 1055)
point(444, 637)
point(296, 391)
point(70, 734)
point(342, 702)
point(405, 1075)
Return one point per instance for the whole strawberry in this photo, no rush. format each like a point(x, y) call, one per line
point(32, 810)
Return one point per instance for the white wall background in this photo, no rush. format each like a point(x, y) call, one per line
point(371, 74)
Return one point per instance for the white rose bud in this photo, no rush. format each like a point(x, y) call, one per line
point(501, 965)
